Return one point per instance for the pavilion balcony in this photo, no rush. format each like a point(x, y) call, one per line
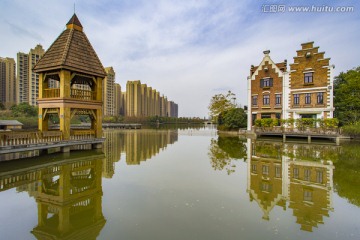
point(74, 93)
point(51, 93)
point(83, 94)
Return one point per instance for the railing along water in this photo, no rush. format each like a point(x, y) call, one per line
point(28, 138)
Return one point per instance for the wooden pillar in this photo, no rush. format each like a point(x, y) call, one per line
point(98, 124)
point(41, 85)
point(64, 84)
point(99, 87)
point(65, 122)
point(42, 213)
point(309, 139)
point(42, 120)
point(64, 220)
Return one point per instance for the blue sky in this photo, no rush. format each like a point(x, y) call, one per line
point(188, 50)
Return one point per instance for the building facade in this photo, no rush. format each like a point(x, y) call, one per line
point(133, 99)
point(144, 101)
point(310, 84)
point(267, 81)
point(27, 80)
point(117, 94)
point(306, 91)
point(109, 92)
point(7, 82)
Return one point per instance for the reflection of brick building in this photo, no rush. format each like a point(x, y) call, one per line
point(304, 92)
point(310, 194)
point(266, 183)
point(275, 178)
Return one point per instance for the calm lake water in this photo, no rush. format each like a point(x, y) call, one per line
point(184, 184)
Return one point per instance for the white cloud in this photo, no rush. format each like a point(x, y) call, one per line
point(185, 49)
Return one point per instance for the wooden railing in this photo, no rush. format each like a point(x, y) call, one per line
point(28, 138)
point(74, 93)
point(78, 134)
point(83, 94)
point(10, 139)
point(51, 93)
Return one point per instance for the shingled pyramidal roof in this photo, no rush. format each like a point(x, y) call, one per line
point(72, 51)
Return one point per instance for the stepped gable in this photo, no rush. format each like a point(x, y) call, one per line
point(72, 51)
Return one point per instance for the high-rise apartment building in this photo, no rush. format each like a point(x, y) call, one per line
point(7, 82)
point(133, 98)
point(144, 101)
point(109, 92)
point(172, 109)
point(27, 82)
point(117, 94)
point(123, 104)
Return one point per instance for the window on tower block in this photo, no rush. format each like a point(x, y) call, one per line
point(308, 77)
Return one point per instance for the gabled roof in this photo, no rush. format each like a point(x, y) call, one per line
point(72, 51)
point(279, 68)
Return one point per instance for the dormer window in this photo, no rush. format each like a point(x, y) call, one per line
point(266, 82)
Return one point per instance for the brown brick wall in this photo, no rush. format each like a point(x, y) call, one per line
point(315, 62)
point(276, 88)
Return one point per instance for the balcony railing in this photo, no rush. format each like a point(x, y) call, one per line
point(74, 93)
point(51, 93)
point(83, 94)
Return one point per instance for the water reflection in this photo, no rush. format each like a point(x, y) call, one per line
point(138, 146)
point(224, 151)
point(68, 193)
point(296, 177)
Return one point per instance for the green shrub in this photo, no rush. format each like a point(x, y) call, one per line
point(331, 123)
point(258, 122)
point(352, 129)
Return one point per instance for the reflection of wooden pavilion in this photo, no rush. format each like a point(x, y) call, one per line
point(69, 201)
point(73, 63)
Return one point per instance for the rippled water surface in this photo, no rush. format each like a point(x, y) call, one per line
point(184, 184)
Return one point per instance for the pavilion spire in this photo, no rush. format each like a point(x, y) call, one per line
point(74, 23)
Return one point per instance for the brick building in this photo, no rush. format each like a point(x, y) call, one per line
point(310, 84)
point(306, 91)
point(267, 81)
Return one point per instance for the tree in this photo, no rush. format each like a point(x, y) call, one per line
point(235, 118)
point(347, 96)
point(24, 109)
point(221, 103)
point(2, 106)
